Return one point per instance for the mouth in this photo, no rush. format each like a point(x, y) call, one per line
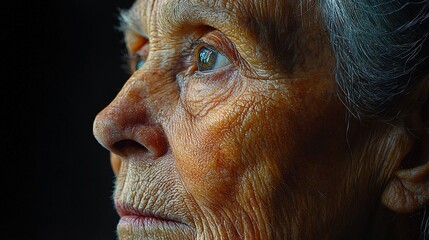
point(143, 217)
point(146, 205)
point(142, 222)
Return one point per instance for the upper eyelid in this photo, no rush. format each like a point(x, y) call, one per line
point(199, 43)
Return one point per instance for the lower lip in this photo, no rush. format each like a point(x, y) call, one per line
point(145, 222)
point(139, 227)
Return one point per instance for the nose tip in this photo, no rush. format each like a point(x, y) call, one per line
point(102, 131)
point(126, 130)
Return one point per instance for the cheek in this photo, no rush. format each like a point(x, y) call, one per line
point(233, 149)
point(248, 151)
point(208, 159)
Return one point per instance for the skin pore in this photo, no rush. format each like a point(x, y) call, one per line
point(253, 143)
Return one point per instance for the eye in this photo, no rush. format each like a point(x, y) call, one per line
point(210, 60)
point(141, 56)
point(138, 50)
point(139, 64)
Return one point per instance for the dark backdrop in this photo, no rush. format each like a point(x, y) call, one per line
point(66, 60)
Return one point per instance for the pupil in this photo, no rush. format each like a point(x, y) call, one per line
point(207, 59)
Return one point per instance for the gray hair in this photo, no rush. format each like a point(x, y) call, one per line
point(381, 51)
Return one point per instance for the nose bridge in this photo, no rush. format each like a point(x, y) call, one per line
point(128, 120)
point(124, 111)
point(129, 108)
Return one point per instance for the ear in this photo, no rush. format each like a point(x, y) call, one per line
point(408, 189)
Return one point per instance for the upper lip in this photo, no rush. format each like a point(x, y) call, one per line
point(124, 209)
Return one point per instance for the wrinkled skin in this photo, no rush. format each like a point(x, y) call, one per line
point(259, 149)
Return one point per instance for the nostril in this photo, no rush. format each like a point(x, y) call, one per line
point(128, 147)
point(124, 135)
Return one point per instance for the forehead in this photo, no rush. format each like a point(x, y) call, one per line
point(220, 14)
point(271, 6)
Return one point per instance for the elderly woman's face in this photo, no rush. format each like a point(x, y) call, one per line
point(230, 125)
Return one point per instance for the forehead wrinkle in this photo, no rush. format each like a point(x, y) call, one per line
point(177, 12)
point(224, 15)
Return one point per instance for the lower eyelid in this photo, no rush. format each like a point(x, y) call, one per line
point(212, 73)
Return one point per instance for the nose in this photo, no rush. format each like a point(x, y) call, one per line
point(126, 126)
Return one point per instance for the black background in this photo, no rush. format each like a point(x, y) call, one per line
point(66, 66)
point(61, 64)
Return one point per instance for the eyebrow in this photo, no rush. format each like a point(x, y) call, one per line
point(129, 20)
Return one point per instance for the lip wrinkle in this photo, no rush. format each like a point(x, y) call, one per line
point(127, 210)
